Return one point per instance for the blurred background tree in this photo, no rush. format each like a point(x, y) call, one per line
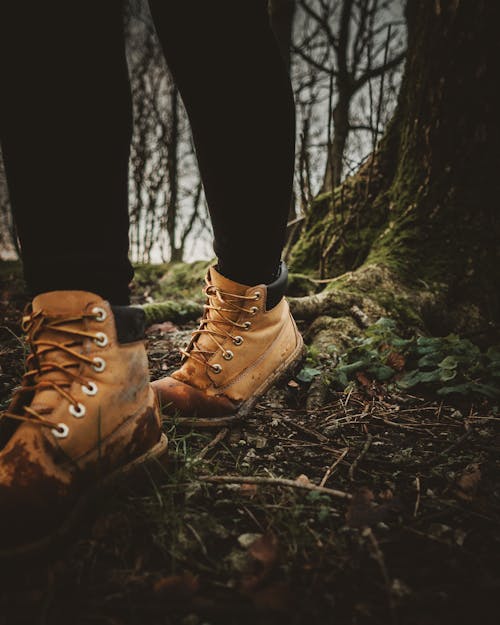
point(345, 59)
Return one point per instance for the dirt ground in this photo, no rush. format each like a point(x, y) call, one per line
point(378, 508)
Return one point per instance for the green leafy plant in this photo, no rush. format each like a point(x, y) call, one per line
point(446, 365)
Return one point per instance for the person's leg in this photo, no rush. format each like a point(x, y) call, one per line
point(237, 93)
point(85, 408)
point(65, 129)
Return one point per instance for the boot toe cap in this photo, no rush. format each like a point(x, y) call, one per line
point(188, 401)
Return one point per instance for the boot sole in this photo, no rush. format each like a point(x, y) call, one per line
point(84, 502)
point(284, 370)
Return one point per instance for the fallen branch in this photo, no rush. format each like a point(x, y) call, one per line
point(354, 465)
point(208, 422)
point(217, 438)
point(331, 468)
point(273, 481)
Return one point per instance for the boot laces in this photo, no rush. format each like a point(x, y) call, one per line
point(39, 362)
point(220, 305)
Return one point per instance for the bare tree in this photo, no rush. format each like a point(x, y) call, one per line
point(166, 195)
point(9, 246)
point(350, 44)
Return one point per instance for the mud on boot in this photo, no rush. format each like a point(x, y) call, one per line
point(84, 414)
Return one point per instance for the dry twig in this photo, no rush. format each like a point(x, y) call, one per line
point(360, 457)
point(273, 481)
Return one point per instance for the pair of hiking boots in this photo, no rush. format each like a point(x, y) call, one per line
point(85, 413)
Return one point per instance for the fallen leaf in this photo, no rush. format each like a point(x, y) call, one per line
point(262, 554)
point(395, 361)
point(177, 586)
point(363, 379)
point(468, 483)
point(264, 549)
point(363, 511)
point(249, 490)
point(303, 479)
point(162, 328)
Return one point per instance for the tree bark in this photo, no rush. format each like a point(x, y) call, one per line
point(426, 206)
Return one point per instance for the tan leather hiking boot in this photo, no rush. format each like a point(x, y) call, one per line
point(247, 339)
point(84, 414)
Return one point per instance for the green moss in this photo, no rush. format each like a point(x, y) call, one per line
point(338, 234)
point(175, 280)
point(149, 274)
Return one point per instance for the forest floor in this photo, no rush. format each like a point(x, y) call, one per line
point(391, 514)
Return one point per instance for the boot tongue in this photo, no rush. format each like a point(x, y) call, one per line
point(58, 305)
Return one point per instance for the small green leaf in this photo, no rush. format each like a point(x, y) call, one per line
point(307, 374)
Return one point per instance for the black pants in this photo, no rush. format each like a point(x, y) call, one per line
point(66, 122)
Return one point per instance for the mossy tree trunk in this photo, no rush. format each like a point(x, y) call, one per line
point(420, 223)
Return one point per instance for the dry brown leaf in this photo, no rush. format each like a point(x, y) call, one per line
point(177, 586)
point(363, 379)
point(248, 490)
point(303, 479)
point(363, 511)
point(265, 550)
point(396, 361)
point(468, 483)
point(162, 328)
point(263, 553)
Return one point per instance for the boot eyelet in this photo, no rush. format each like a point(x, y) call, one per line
point(99, 364)
point(77, 412)
point(247, 325)
point(228, 354)
point(101, 339)
point(216, 368)
point(254, 310)
point(90, 389)
point(238, 340)
point(61, 431)
point(257, 295)
point(100, 313)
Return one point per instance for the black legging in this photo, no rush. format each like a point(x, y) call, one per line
point(66, 123)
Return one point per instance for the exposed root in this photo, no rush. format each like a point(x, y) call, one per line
point(178, 311)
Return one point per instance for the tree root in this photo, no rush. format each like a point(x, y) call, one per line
point(175, 311)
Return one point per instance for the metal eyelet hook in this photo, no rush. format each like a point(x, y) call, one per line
point(216, 368)
point(238, 340)
point(228, 354)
